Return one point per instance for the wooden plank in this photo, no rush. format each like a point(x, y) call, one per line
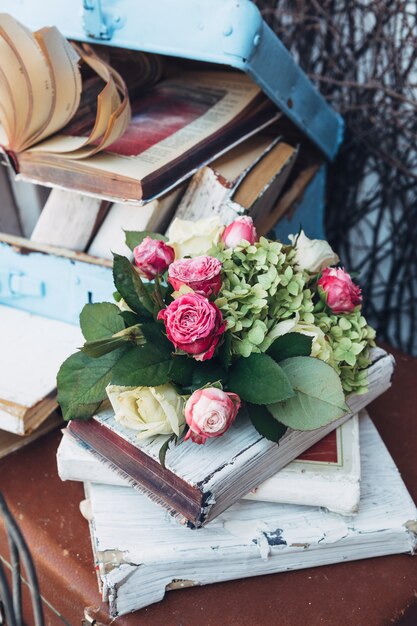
point(69, 219)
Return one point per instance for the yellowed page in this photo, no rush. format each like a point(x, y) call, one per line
point(7, 109)
point(63, 61)
point(37, 75)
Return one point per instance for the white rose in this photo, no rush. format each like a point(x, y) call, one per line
point(194, 238)
point(320, 348)
point(312, 255)
point(149, 410)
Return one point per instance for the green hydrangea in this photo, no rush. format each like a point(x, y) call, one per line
point(260, 289)
point(350, 338)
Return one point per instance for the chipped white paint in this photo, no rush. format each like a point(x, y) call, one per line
point(334, 486)
point(32, 349)
point(140, 549)
point(227, 468)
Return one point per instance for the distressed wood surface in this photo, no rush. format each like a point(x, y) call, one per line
point(227, 468)
point(140, 550)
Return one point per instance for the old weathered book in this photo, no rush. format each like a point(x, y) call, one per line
point(199, 483)
point(52, 135)
point(327, 475)
point(32, 349)
point(9, 442)
point(140, 553)
point(248, 179)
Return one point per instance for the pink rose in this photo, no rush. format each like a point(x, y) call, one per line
point(241, 228)
point(342, 293)
point(209, 413)
point(201, 274)
point(194, 325)
point(152, 257)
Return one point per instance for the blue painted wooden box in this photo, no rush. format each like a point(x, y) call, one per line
point(226, 32)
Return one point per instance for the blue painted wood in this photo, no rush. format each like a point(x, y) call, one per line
point(229, 32)
point(51, 285)
point(309, 214)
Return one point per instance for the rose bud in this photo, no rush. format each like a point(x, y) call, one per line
point(152, 257)
point(342, 295)
point(241, 228)
point(312, 255)
point(201, 274)
point(194, 325)
point(209, 413)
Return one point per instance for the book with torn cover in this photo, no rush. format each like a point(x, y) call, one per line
point(327, 475)
point(129, 138)
point(200, 482)
point(140, 552)
point(31, 350)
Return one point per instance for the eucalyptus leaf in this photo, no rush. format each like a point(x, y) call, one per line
point(82, 383)
point(143, 366)
point(265, 423)
point(131, 287)
point(290, 345)
point(100, 320)
point(319, 397)
point(259, 379)
point(134, 238)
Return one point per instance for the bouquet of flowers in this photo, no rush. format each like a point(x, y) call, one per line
point(216, 318)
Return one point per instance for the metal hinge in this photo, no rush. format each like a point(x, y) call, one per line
point(15, 284)
point(99, 24)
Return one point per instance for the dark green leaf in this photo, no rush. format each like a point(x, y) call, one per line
point(130, 286)
point(318, 399)
point(265, 423)
point(257, 379)
point(82, 383)
point(182, 370)
point(154, 334)
point(133, 335)
point(164, 449)
point(131, 319)
point(134, 238)
point(290, 345)
point(225, 351)
point(206, 373)
point(143, 366)
point(100, 320)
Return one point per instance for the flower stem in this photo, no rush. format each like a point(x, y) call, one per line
point(157, 292)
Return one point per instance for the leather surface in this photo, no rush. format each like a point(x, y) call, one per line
point(372, 592)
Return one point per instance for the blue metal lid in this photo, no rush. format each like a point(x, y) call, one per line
point(229, 32)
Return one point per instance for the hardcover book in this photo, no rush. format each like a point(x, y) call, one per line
point(327, 474)
point(140, 552)
point(200, 482)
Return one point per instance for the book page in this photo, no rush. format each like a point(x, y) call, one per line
point(172, 119)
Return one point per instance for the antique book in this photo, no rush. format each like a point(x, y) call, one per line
point(199, 483)
point(32, 349)
point(9, 442)
point(327, 475)
point(144, 136)
point(247, 179)
point(140, 552)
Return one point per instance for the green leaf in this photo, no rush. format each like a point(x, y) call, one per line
point(258, 379)
point(131, 319)
point(225, 351)
point(130, 286)
point(164, 449)
point(82, 383)
point(206, 373)
point(265, 423)
point(134, 238)
point(182, 370)
point(319, 397)
point(133, 334)
point(100, 320)
point(143, 366)
point(290, 345)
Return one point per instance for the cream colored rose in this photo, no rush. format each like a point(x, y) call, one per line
point(149, 410)
point(312, 255)
point(320, 348)
point(194, 238)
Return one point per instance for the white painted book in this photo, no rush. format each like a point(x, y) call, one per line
point(327, 475)
point(32, 349)
point(140, 551)
point(200, 482)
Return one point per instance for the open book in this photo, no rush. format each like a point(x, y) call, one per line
point(68, 118)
